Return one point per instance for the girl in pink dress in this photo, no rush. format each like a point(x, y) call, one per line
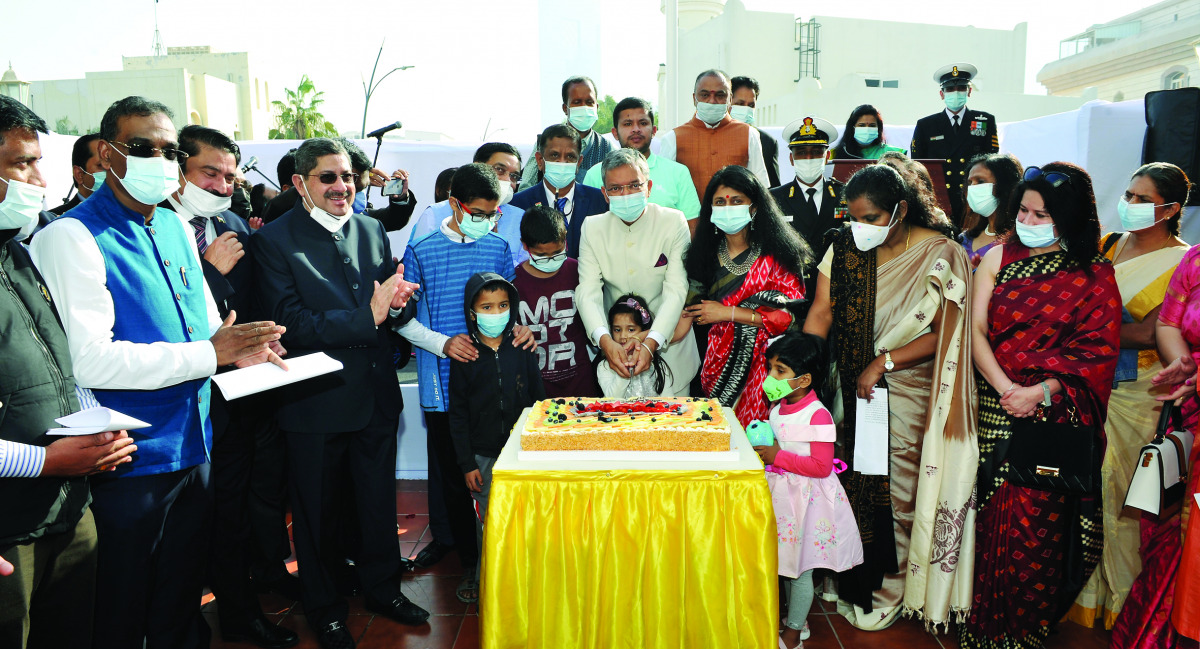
point(816, 524)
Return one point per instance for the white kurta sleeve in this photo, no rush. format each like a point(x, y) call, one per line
point(666, 145)
point(756, 165)
point(589, 296)
point(69, 260)
point(675, 284)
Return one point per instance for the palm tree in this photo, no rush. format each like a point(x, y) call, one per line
point(298, 118)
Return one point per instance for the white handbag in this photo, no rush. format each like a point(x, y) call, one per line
point(1161, 475)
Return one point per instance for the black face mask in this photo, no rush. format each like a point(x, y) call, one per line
point(240, 203)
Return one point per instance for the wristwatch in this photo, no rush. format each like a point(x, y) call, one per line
point(1045, 394)
point(888, 365)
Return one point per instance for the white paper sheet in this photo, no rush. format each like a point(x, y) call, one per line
point(96, 420)
point(871, 434)
point(265, 376)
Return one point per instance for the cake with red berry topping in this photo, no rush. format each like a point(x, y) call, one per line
point(659, 424)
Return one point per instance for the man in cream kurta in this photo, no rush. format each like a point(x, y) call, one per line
point(645, 257)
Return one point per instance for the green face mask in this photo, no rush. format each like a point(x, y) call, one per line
point(777, 389)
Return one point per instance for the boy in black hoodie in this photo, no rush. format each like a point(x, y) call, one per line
point(488, 394)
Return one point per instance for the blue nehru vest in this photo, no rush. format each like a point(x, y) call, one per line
point(157, 290)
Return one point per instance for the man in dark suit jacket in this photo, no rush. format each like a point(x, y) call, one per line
point(328, 275)
point(246, 441)
point(955, 134)
point(745, 98)
point(558, 151)
point(811, 202)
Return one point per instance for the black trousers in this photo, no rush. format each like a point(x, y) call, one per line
point(460, 508)
point(153, 541)
point(314, 462)
point(235, 456)
point(267, 503)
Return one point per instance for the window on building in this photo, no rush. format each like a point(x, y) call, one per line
point(871, 83)
point(882, 83)
point(808, 44)
point(891, 83)
point(1175, 78)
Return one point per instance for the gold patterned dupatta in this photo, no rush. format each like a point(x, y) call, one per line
point(935, 275)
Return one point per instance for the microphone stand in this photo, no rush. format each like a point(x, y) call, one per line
point(255, 170)
point(374, 163)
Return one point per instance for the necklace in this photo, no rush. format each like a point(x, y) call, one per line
point(988, 232)
point(727, 263)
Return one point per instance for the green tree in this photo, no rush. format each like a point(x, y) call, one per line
point(604, 115)
point(63, 126)
point(300, 118)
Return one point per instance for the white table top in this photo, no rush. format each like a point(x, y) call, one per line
point(747, 458)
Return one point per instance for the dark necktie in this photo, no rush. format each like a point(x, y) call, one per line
point(560, 204)
point(199, 224)
point(812, 202)
point(956, 123)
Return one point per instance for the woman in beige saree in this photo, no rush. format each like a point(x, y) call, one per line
point(891, 299)
point(1143, 259)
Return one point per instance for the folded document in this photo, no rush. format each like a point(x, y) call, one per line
point(266, 376)
point(96, 420)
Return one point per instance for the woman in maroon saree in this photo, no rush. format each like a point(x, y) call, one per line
point(1047, 317)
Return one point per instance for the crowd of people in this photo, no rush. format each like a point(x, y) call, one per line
point(985, 323)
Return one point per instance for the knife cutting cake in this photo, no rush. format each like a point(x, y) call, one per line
point(660, 424)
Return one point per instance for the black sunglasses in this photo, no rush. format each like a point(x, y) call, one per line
point(146, 151)
point(1053, 177)
point(329, 177)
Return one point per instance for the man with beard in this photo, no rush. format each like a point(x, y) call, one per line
point(634, 128)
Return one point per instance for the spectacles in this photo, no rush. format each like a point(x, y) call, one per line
point(1053, 177)
point(552, 258)
point(620, 190)
point(147, 151)
point(478, 217)
point(503, 172)
point(329, 177)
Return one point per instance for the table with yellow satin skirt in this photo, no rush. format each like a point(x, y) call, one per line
point(632, 553)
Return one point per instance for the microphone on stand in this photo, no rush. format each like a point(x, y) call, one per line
point(378, 133)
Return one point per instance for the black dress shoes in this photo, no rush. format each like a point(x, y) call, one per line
point(335, 636)
point(401, 610)
point(431, 554)
point(262, 633)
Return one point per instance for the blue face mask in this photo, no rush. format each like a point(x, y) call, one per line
point(711, 113)
point(560, 174)
point(731, 219)
point(1036, 236)
point(865, 134)
point(955, 100)
point(360, 203)
point(472, 228)
point(491, 324)
point(549, 264)
point(629, 207)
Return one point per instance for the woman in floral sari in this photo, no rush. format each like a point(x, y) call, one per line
point(1046, 326)
point(744, 267)
point(1146, 620)
point(891, 299)
point(1143, 259)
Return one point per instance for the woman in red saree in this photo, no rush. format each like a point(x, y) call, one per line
point(744, 267)
point(1047, 316)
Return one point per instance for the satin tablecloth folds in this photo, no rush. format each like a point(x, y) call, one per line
point(637, 554)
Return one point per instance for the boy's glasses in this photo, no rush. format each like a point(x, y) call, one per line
point(478, 217)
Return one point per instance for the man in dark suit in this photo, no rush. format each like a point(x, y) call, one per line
point(745, 98)
point(557, 159)
point(955, 134)
point(810, 201)
point(328, 275)
point(86, 173)
point(246, 441)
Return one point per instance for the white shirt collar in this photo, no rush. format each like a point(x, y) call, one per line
point(962, 114)
point(570, 196)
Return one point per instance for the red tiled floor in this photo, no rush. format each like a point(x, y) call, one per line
point(412, 526)
point(440, 632)
point(412, 502)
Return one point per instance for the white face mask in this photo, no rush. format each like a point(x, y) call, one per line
point(21, 207)
point(867, 236)
point(1137, 216)
point(327, 220)
point(202, 203)
point(97, 180)
point(808, 171)
point(506, 193)
point(742, 114)
point(981, 200)
point(149, 180)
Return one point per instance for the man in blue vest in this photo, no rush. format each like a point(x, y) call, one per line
point(145, 335)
